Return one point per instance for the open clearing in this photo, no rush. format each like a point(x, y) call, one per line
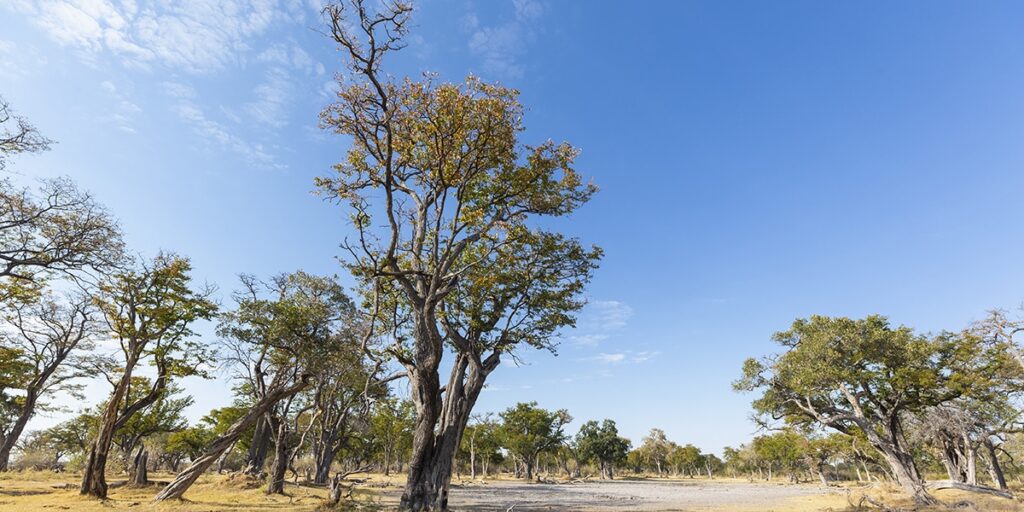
point(213, 493)
point(642, 495)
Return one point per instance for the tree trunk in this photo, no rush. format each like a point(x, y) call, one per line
point(139, 474)
point(12, 436)
point(94, 479)
point(185, 479)
point(323, 465)
point(258, 447)
point(387, 461)
point(275, 481)
point(440, 422)
point(971, 454)
point(994, 468)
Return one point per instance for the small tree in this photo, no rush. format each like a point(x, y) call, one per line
point(527, 430)
point(602, 443)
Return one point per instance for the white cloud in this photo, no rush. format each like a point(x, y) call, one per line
point(628, 356)
point(599, 320)
point(196, 36)
point(272, 97)
point(216, 133)
point(611, 314)
point(610, 358)
point(501, 46)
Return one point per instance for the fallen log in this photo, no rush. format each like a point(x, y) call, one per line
point(950, 484)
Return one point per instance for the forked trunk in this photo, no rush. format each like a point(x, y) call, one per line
point(258, 447)
point(440, 423)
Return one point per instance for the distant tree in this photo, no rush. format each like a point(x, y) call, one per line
point(149, 311)
point(686, 459)
point(654, 450)
point(527, 430)
point(846, 374)
point(602, 443)
point(187, 443)
point(391, 426)
point(443, 167)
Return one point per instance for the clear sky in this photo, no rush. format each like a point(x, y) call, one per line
point(759, 161)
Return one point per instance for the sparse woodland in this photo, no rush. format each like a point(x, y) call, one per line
point(452, 278)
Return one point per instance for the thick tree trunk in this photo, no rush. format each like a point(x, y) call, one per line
point(275, 481)
point(440, 423)
point(185, 479)
point(324, 460)
point(139, 474)
point(257, 457)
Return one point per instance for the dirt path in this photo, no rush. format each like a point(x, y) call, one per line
point(639, 495)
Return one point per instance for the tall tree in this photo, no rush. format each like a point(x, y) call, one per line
point(149, 311)
point(864, 374)
point(443, 166)
point(50, 335)
point(527, 431)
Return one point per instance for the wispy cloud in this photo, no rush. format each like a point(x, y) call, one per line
point(628, 356)
point(195, 36)
point(501, 47)
point(216, 133)
point(124, 111)
point(599, 320)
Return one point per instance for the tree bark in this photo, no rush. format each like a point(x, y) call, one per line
point(10, 439)
point(258, 447)
point(185, 479)
point(94, 480)
point(440, 422)
point(995, 469)
point(139, 473)
point(275, 481)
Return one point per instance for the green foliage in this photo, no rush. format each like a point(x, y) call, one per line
point(528, 430)
point(600, 442)
point(836, 371)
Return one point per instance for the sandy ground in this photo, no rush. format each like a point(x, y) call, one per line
point(638, 495)
point(376, 493)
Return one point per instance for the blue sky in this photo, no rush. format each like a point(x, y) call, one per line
point(758, 162)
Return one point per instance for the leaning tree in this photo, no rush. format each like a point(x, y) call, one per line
point(149, 312)
point(442, 192)
point(865, 376)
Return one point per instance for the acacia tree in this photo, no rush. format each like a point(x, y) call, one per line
point(602, 443)
point(442, 165)
point(49, 335)
point(526, 431)
point(149, 311)
point(864, 375)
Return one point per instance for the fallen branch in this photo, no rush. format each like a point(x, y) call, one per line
point(950, 484)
